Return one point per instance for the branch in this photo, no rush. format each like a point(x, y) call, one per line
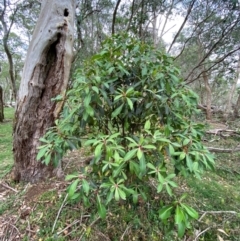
point(183, 24)
point(222, 150)
point(214, 64)
point(114, 16)
point(223, 36)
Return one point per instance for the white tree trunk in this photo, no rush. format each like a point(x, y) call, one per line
point(45, 75)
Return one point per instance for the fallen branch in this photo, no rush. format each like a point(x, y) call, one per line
point(8, 187)
point(222, 150)
point(220, 132)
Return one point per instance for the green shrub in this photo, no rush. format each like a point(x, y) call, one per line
point(135, 111)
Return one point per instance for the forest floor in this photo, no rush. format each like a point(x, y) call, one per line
point(42, 212)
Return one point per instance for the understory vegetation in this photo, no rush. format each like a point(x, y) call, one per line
point(42, 212)
point(133, 158)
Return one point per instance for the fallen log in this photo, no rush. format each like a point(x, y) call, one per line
point(223, 150)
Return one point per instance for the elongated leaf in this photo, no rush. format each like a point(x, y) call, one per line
point(165, 212)
point(130, 104)
point(71, 176)
point(98, 150)
point(147, 125)
point(181, 229)
point(87, 100)
point(117, 196)
point(41, 153)
point(95, 88)
point(151, 166)
point(72, 188)
point(190, 211)
point(101, 208)
point(171, 150)
point(130, 154)
point(122, 194)
point(85, 186)
point(117, 111)
point(179, 215)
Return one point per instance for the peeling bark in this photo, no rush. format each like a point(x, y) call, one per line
point(45, 75)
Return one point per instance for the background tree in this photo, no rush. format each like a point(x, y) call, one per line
point(45, 75)
point(1, 105)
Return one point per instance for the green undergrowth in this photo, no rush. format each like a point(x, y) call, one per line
point(42, 212)
point(6, 157)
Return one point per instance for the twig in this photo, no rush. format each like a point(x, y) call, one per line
point(210, 212)
point(59, 211)
point(204, 231)
point(89, 226)
point(220, 150)
point(8, 187)
point(70, 225)
point(125, 232)
point(219, 212)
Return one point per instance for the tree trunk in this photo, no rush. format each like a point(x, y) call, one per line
point(6, 32)
point(1, 105)
point(209, 97)
point(45, 75)
point(231, 93)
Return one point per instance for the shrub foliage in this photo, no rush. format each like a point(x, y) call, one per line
point(135, 111)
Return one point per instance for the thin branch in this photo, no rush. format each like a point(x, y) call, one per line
point(59, 211)
point(8, 187)
point(114, 16)
point(222, 150)
point(183, 24)
point(214, 64)
point(223, 36)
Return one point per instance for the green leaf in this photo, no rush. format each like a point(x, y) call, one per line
point(139, 153)
point(151, 166)
point(117, 196)
point(171, 150)
point(190, 211)
point(130, 104)
point(179, 215)
point(147, 125)
point(149, 147)
point(87, 100)
point(95, 88)
point(101, 208)
point(160, 187)
point(189, 163)
point(98, 150)
point(181, 229)
point(117, 111)
point(144, 71)
point(72, 188)
point(85, 186)
point(135, 197)
point(165, 212)
point(42, 152)
point(71, 176)
point(90, 110)
point(130, 154)
point(169, 190)
point(182, 156)
point(122, 194)
point(186, 142)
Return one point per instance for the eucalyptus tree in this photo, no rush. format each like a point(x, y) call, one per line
point(16, 24)
point(8, 9)
point(45, 75)
point(211, 36)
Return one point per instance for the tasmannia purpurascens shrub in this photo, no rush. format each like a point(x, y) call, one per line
point(134, 109)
